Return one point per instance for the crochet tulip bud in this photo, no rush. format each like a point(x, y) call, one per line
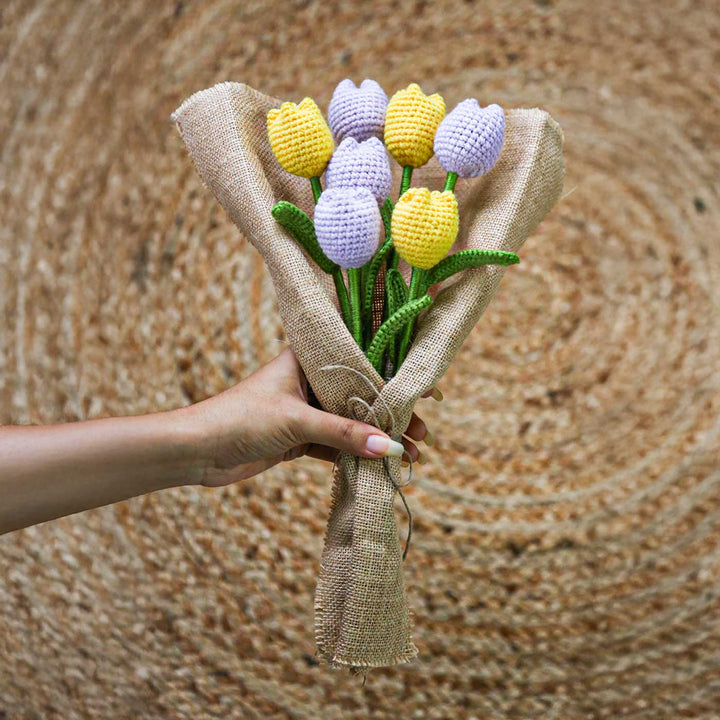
point(424, 226)
point(361, 164)
point(347, 224)
point(410, 124)
point(357, 112)
point(470, 139)
point(300, 138)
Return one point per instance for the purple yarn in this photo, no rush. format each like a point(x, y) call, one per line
point(347, 224)
point(470, 138)
point(357, 112)
point(361, 164)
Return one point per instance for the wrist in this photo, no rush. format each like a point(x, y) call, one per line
point(183, 443)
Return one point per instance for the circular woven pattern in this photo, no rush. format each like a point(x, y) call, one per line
point(565, 559)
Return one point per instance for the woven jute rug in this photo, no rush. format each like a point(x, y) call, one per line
point(567, 541)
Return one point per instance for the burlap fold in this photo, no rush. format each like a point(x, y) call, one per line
point(362, 616)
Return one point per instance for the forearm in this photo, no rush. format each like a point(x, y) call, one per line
point(47, 472)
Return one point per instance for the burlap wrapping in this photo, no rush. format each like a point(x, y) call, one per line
point(362, 616)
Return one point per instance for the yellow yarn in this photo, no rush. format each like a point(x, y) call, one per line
point(411, 120)
point(424, 226)
point(300, 138)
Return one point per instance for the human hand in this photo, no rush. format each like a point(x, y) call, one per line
point(266, 419)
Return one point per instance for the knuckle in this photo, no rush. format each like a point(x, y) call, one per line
point(347, 430)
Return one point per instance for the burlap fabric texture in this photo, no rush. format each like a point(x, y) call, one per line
point(362, 615)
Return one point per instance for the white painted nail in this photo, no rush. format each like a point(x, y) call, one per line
point(379, 445)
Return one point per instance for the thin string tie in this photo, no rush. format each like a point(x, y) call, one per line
point(370, 415)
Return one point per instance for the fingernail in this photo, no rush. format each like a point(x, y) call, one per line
point(379, 445)
point(421, 458)
point(437, 395)
point(429, 438)
point(404, 463)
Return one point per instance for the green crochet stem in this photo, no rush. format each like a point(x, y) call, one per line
point(316, 188)
point(417, 286)
point(397, 296)
point(356, 314)
point(301, 227)
point(389, 329)
point(342, 295)
point(373, 267)
point(386, 211)
point(450, 181)
point(406, 178)
point(467, 259)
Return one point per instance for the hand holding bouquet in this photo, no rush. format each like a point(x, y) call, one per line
point(379, 257)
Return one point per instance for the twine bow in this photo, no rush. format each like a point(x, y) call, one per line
point(354, 404)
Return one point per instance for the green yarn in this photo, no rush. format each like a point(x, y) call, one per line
point(450, 181)
point(397, 296)
point(467, 259)
point(390, 328)
point(406, 179)
point(301, 227)
point(353, 275)
point(342, 297)
point(417, 288)
point(386, 210)
point(371, 270)
point(397, 290)
point(316, 188)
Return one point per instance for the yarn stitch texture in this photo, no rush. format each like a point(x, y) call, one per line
point(357, 112)
point(410, 124)
point(300, 138)
point(424, 226)
point(347, 224)
point(392, 326)
point(470, 139)
point(361, 164)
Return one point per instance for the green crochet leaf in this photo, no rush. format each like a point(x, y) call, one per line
point(386, 209)
point(467, 259)
point(373, 268)
point(390, 328)
point(396, 289)
point(296, 222)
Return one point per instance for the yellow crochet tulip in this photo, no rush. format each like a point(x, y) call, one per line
point(424, 226)
point(411, 120)
point(300, 138)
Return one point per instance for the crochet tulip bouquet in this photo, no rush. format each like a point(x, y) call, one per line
point(378, 282)
point(357, 228)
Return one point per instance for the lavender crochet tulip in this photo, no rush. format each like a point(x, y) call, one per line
point(361, 164)
point(470, 138)
point(347, 224)
point(357, 112)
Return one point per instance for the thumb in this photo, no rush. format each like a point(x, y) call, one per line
point(351, 436)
